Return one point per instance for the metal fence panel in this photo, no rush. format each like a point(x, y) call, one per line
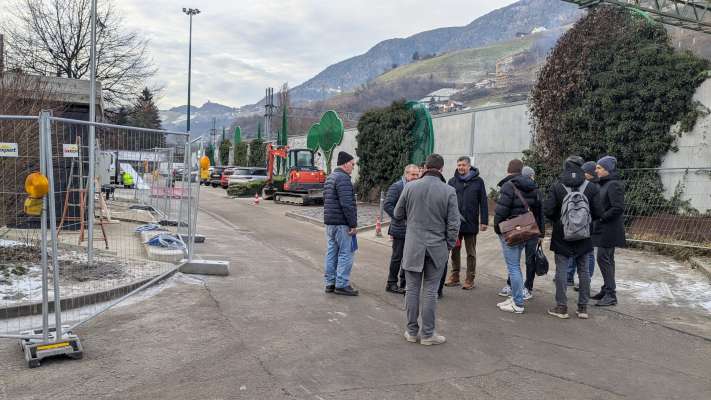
point(135, 223)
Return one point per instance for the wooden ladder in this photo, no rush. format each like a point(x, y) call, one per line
point(82, 191)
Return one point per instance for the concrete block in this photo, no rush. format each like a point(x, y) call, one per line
point(205, 267)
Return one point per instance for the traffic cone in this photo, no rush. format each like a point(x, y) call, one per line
point(256, 199)
point(378, 227)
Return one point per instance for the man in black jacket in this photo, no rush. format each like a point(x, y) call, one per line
point(473, 203)
point(341, 219)
point(397, 229)
point(571, 180)
point(609, 230)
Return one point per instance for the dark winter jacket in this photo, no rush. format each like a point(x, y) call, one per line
point(609, 230)
point(571, 177)
point(471, 197)
point(509, 205)
point(339, 203)
point(398, 227)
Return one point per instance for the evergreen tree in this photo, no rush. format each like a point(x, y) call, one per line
point(144, 113)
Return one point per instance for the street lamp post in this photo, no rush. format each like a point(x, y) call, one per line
point(190, 12)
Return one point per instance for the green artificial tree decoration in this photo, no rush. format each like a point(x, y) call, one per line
point(330, 135)
point(282, 140)
point(423, 133)
point(313, 138)
point(224, 150)
point(238, 135)
point(210, 152)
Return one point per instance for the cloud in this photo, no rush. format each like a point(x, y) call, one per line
point(239, 47)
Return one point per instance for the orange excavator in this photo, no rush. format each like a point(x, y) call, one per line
point(304, 181)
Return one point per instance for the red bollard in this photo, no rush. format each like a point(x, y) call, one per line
point(378, 227)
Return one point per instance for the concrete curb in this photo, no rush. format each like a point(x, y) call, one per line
point(318, 222)
point(701, 265)
point(70, 303)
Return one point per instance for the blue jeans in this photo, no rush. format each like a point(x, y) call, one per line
point(512, 257)
point(591, 266)
point(339, 257)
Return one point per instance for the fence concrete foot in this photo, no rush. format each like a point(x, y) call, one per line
point(205, 267)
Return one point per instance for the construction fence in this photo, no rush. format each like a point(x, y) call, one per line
point(120, 214)
point(666, 206)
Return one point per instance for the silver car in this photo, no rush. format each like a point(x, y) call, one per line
point(247, 174)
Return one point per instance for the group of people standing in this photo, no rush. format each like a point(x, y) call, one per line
point(432, 219)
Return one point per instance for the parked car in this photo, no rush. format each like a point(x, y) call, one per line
point(216, 176)
point(225, 178)
point(247, 174)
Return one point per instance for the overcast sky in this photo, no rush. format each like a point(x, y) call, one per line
point(241, 47)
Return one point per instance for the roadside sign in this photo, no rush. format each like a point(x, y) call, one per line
point(70, 150)
point(8, 149)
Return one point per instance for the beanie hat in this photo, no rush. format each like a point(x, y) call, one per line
point(577, 160)
point(515, 166)
point(608, 162)
point(343, 158)
point(589, 167)
point(528, 172)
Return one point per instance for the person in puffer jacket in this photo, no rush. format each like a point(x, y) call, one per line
point(341, 219)
point(510, 205)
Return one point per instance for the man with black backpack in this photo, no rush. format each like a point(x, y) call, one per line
point(572, 204)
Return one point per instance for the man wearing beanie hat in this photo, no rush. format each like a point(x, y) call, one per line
point(562, 193)
point(341, 219)
point(609, 230)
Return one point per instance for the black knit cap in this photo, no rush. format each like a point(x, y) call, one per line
point(343, 158)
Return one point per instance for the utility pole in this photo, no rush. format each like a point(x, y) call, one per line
point(190, 12)
point(268, 112)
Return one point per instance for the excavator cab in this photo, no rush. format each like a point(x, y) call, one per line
point(304, 180)
point(302, 174)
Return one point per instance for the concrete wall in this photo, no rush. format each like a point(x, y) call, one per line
point(491, 136)
point(694, 152)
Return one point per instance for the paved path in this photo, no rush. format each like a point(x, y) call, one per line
point(269, 332)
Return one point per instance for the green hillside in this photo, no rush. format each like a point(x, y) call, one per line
point(464, 66)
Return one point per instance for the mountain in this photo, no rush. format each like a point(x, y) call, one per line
point(201, 118)
point(503, 24)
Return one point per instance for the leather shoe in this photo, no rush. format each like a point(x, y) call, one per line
point(393, 288)
point(330, 288)
point(598, 296)
point(346, 291)
point(608, 300)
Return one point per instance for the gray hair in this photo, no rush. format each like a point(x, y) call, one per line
point(465, 158)
point(528, 172)
point(410, 166)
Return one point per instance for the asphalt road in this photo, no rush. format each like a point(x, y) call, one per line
point(269, 332)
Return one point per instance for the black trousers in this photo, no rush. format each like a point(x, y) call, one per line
point(530, 264)
point(395, 263)
point(606, 262)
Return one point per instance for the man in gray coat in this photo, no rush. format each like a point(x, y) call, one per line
point(430, 208)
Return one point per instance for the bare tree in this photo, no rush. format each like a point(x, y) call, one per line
point(52, 37)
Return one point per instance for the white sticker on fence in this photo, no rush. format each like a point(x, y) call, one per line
point(70, 150)
point(8, 150)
